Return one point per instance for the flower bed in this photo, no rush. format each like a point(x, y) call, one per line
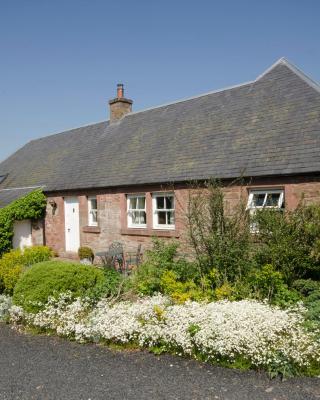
point(260, 335)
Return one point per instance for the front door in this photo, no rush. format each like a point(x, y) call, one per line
point(71, 212)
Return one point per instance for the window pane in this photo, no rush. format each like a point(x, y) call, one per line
point(258, 199)
point(272, 199)
point(169, 202)
point(94, 216)
point(160, 203)
point(141, 203)
point(132, 203)
point(143, 217)
point(162, 218)
point(135, 217)
point(170, 217)
point(94, 204)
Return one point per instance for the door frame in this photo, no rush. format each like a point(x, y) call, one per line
point(69, 200)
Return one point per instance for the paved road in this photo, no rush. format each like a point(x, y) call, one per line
point(40, 367)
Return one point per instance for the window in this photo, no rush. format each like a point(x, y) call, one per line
point(265, 199)
point(259, 199)
point(136, 208)
point(163, 211)
point(93, 211)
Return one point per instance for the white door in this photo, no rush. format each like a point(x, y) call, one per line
point(22, 234)
point(71, 212)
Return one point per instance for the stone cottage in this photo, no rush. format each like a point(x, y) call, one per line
point(127, 179)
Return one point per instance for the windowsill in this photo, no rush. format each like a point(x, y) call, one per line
point(164, 228)
point(91, 229)
point(150, 232)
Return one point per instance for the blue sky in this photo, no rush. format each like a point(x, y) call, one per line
point(61, 59)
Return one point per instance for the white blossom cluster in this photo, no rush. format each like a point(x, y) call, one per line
point(5, 305)
point(258, 332)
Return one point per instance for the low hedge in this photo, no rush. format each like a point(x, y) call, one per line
point(51, 278)
point(12, 264)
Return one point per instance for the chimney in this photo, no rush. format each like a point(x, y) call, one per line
point(119, 106)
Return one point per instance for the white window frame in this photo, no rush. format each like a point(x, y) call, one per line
point(130, 210)
point(156, 225)
point(265, 192)
point(92, 211)
point(252, 209)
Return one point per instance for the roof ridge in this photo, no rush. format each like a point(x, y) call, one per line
point(284, 61)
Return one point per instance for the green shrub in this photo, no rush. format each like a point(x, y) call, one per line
point(55, 277)
point(181, 291)
point(306, 286)
point(265, 282)
point(311, 291)
point(12, 264)
point(219, 239)
point(224, 292)
point(268, 284)
point(290, 241)
point(85, 252)
point(162, 257)
point(36, 254)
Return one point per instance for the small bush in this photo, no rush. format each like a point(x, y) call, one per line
point(85, 252)
point(290, 241)
point(36, 254)
point(265, 282)
point(12, 264)
point(306, 286)
point(161, 258)
point(47, 279)
point(311, 291)
point(224, 292)
point(180, 291)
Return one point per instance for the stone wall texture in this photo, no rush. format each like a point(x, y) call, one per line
point(112, 214)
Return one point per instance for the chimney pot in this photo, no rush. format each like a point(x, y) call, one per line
point(120, 90)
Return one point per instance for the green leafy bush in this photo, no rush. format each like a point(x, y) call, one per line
point(180, 291)
point(290, 241)
point(224, 292)
point(161, 258)
point(265, 282)
point(220, 240)
point(311, 291)
point(31, 206)
point(54, 277)
point(12, 264)
point(85, 252)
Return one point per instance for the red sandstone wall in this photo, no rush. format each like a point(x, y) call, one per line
point(54, 226)
point(113, 219)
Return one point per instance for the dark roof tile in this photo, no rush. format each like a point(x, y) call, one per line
point(270, 126)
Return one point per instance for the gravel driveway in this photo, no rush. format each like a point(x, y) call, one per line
point(40, 367)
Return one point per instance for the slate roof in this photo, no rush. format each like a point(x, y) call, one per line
point(270, 126)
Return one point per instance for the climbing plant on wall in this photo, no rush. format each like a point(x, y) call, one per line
point(31, 206)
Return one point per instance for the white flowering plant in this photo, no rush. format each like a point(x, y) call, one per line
point(243, 333)
point(5, 306)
